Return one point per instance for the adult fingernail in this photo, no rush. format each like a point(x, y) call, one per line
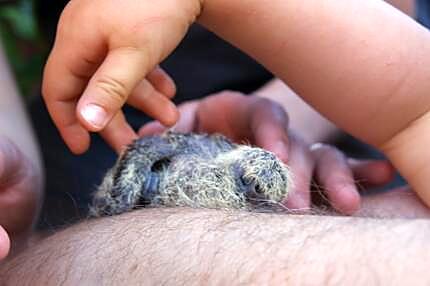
point(316, 146)
point(94, 115)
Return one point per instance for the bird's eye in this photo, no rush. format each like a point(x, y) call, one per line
point(160, 165)
point(258, 189)
point(251, 189)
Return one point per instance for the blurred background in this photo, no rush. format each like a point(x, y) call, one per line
point(23, 43)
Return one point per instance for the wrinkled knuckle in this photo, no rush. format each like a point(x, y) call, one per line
point(115, 89)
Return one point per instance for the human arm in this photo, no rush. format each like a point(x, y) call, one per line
point(312, 126)
point(21, 175)
point(14, 121)
point(183, 246)
point(384, 90)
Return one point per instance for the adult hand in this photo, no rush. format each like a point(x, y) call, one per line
point(20, 194)
point(262, 122)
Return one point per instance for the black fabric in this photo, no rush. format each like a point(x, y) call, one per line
point(423, 12)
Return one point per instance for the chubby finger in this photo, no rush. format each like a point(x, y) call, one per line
point(61, 99)
point(269, 126)
point(334, 175)
point(371, 173)
point(162, 82)
point(301, 165)
point(155, 104)
point(75, 57)
point(107, 91)
point(118, 133)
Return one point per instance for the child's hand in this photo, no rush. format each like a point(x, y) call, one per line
point(103, 56)
point(264, 123)
point(19, 195)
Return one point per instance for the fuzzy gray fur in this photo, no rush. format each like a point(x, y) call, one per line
point(206, 171)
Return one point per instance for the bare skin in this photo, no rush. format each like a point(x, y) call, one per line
point(176, 246)
point(271, 245)
point(20, 167)
point(336, 87)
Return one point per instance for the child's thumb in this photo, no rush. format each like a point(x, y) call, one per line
point(122, 70)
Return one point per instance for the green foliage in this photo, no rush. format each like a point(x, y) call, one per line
point(21, 40)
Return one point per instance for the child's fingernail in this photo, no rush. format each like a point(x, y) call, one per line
point(172, 115)
point(94, 115)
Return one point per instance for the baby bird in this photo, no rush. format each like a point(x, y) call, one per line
point(193, 170)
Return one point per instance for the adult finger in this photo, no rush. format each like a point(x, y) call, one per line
point(246, 118)
point(334, 175)
point(269, 126)
point(301, 165)
point(371, 173)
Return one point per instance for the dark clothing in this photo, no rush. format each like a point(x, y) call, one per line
point(423, 12)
